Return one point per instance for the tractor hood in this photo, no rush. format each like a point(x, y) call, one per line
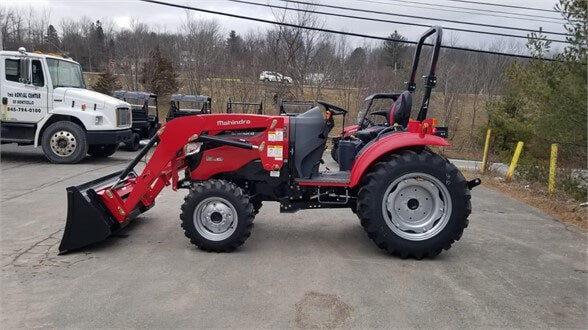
point(81, 96)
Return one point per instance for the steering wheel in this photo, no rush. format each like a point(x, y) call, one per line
point(383, 113)
point(368, 121)
point(335, 110)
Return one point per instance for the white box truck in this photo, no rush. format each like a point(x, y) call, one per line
point(45, 103)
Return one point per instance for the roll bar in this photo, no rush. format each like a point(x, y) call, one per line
point(257, 105)
point(431, 78)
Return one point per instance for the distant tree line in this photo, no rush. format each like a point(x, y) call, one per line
point(200, 49)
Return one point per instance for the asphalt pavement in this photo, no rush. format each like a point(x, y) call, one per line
point(514, 266)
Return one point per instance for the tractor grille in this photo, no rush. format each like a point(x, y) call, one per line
point(123, 117)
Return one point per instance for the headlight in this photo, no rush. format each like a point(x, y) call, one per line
point(99, 120)
point(192, 148)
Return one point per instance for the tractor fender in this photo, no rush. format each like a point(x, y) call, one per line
point(385, 146)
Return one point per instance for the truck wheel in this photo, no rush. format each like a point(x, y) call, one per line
point(217, 216)
point(415, 204)
point(102, 150)
point(134, 143)
point(64, 142)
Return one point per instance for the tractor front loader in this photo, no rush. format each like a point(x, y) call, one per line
point(411, 201)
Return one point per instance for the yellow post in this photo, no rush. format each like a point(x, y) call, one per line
point(552, 168)
point(515, 160)
point(486, 146)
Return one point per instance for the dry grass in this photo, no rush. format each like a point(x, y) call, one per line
point(558, 205)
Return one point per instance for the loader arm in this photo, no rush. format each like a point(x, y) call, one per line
point(167, 158)
point(100, 207)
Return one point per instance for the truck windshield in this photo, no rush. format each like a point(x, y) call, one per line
point(65, 74)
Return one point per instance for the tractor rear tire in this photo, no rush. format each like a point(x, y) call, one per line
point(415, 204)
point(217, 216)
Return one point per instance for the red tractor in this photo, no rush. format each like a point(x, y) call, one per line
point(411, 201)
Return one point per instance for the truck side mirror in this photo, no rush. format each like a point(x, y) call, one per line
point(25, 70)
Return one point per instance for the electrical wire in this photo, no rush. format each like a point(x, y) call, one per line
point(506, 6)
point(422, 17)
point(388, 21)
point(485, 12)
point(351, 34)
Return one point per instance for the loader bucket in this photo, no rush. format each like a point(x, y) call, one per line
point(88, 220)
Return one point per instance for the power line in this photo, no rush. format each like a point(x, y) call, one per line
point(432, 6)
point(351, 34)
point(506, 6)
point(312, 11)
point(425, 18)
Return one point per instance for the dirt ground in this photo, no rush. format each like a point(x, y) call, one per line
point(558, 205)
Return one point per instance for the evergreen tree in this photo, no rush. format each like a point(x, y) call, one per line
point(159, 76)
point(357, 59)
point(545, 102)
point(107, 83)
point(576, 14)
point(98, 45)
point(394, 51)
point(234, 45)
point(52, 39)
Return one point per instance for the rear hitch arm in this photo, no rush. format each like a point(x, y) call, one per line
point(474, 183)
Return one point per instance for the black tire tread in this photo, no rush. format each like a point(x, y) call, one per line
point(74, 128)
point(370, 185)
point(190, 202)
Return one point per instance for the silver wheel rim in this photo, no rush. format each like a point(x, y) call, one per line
point(63, 143)
point(215, 218)
point(416, 206)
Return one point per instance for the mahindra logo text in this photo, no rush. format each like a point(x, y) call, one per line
point(233, 122)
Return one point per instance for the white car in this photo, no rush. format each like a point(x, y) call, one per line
point(267, 76)
point(315, 78)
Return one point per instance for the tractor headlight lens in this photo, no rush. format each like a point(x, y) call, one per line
point(192, 148)
point(99, 120)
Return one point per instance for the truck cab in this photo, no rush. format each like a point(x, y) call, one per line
point(45, 103)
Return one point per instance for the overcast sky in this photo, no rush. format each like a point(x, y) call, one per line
point(160, 18)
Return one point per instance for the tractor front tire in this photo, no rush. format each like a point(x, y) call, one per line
point(217, 216)
point(415, 204)
point(102, 150)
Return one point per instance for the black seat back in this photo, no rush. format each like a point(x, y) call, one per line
point(308, 132)
point(400, 111)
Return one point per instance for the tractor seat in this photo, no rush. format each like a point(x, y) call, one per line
point(368, 134)
point(400, 110)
